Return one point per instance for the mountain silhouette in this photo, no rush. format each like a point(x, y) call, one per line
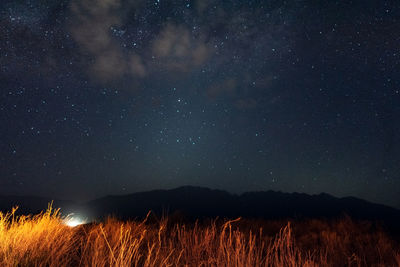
point(199, 202)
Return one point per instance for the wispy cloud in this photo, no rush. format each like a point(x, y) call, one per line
point(178, 50)
point(91, 29)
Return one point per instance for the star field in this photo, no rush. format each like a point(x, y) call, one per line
point(117, 96)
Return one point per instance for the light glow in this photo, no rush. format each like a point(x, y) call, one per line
point(73, 221)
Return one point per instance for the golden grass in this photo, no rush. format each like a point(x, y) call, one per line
point(43, 240)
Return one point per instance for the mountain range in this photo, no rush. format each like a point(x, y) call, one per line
point(199, 202)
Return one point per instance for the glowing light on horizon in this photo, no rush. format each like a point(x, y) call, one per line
point(73, 221)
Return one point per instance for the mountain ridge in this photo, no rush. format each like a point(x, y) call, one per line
point(200, 202)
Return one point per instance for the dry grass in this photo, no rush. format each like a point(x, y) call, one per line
point(43, 240)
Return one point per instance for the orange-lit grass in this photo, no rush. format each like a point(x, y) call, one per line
point(43, 240)
point(35, 240)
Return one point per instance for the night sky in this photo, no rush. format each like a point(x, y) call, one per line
point(105, 97)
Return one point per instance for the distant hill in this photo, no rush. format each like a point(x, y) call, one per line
point(198, 202)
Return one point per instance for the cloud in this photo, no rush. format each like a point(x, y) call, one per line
point(137, 66)
point(108, 65)
point(246, 103)
point(177, 49)
point(91, 29)
point(202, 5)
point(226, 87)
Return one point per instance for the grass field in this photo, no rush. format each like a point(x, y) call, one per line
point(44, 240)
